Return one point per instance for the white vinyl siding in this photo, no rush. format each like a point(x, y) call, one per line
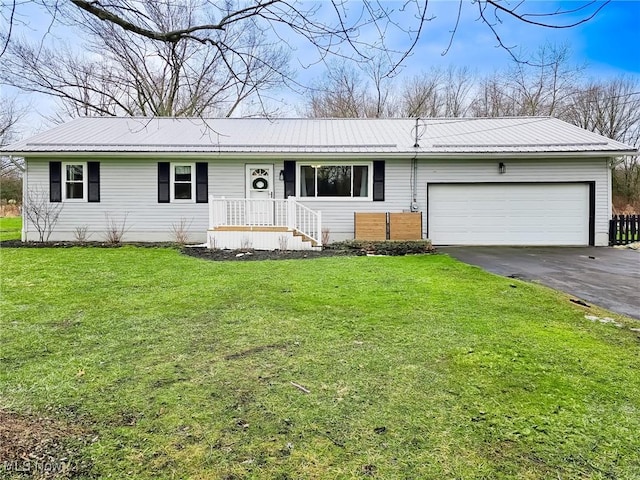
point(131, 186)
point(338, 216)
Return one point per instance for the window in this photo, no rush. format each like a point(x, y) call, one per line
point(74, 181)
point(183, 182)
point(335, 180)
point(75, 185)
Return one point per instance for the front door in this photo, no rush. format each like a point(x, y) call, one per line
point(259, 186)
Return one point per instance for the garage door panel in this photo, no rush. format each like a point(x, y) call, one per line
point(509, 214)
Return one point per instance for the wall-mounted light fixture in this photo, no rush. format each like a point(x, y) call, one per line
point(502, 168)
point(281, 175)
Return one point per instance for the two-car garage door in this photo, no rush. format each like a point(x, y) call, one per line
point(509, 214)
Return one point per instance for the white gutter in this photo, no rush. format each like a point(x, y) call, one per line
point(328, 155)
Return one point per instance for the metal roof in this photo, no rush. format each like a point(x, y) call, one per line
point(435, 136)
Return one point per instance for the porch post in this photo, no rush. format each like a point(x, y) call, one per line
point(211, 215)
point(291, 213)
point(319, 226)
point(221, 214)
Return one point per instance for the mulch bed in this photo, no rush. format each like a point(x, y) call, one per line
point(198, 252)
point(342, 249)
point(252, 255)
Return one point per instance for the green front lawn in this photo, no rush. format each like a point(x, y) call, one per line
point(10, 228)
point(416, 367)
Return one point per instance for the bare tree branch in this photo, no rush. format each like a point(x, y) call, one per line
point(127, 74)
point(343, 28)
point(526, 17)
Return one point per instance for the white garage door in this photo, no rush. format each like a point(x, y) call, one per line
point(509, 214)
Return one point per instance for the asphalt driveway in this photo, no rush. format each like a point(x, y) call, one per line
point(608, 277)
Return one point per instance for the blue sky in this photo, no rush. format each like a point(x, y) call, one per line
point(608, 44)
point(611, 42)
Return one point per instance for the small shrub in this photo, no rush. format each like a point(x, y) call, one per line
point(81, 233)
point(114, 231)
point(283, 242)
point(392, 248)
point(326, 234)
point(180, 231)
point(246, 244)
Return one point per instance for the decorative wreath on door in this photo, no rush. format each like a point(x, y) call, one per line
point(260, 184)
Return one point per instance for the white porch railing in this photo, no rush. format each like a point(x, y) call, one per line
point(268, 212)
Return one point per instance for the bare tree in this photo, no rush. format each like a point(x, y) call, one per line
point(42, 213)
point(541, 86)
point(342, 27)
point(421, 96)
point(458, 85)
point(10, 115)
point(126, 74)
point(344, 93)
point(353, 90)
point(190, 57)
point(379, 101)
point(612, 108)
point(11, 167)
point(438, 93)
point(369, 93)
point(492, 98)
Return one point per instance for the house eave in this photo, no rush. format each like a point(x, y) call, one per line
point(324, 155)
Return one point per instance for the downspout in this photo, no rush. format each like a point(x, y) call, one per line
point(610, 166)
point(25, 188)
point(414, 170)
point(414, 186)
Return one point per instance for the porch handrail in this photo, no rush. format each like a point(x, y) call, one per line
point(307, 221)
point(272, 212)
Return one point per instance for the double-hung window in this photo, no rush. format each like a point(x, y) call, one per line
point(75, 181)
point(336, 180)
point(183, 184)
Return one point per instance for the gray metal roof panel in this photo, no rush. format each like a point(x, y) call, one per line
point(256, 135)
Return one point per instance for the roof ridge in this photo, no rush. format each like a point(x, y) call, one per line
point(381, 119)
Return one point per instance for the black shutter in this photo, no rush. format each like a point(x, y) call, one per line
point(94, 181)
point(202, 182)
point(55, 181)
point(163, 181)
point(378, 181)
point(289, 178)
